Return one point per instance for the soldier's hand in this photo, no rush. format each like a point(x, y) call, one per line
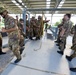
point(3, 30)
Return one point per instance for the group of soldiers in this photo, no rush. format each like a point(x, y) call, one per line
point(15, 31)
point(66, 28)
point(36, 27)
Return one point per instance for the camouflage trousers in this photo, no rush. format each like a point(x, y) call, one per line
point(73, 47)
point(31, 32)
point(74, 53)
point(21, 43)
point(74, 40)
point(22, 33)
point(27, 33)
point(62, 43)
point(36, 32)
point(41, 31)
point(14, 43)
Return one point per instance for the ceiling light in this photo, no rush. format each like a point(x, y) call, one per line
point(13, 1)
point(20, 1)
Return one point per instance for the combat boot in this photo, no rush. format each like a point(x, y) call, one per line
point(17, 60)
point(73, 69)
point(68, 58)
point(60, 52)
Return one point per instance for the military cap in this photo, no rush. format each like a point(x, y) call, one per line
point(39, 17)
point(2, 9)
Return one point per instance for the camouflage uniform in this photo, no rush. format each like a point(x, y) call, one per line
point(41, 28)
point(41, 24)
point(27, 28)
point(60, 29)
point(74, 42)
point(36, 29)
point(74, 37)
point(67, 25)
point(13, 36)
point(22, 34)
point(31, 28)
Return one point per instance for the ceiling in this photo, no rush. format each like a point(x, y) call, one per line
point(38, 4)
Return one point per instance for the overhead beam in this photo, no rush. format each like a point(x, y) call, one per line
point(56, 5)
point(8, 7)
point(52, 9)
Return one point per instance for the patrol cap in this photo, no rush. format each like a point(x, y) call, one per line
point(2, 9)
point(21, 20)
point(39, 17)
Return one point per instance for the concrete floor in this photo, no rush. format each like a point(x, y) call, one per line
point(41, 58)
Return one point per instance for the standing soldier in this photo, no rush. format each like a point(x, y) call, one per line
point(36, 29)
point(32, 23)
point(69, 58)
point(20, 26)
point(65, 32)
point(27, 28)
point(13, 34)
point(22, 34)
point(41, 24)
point(59, 30)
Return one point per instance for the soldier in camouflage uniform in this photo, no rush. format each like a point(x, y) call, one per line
point(67, 25)
point(27, 28)
point(73, 55)
point(22, 34)
point(36, 29)
point(41, 24)
point(32, 22)
point(59, 30)
point(13, 34)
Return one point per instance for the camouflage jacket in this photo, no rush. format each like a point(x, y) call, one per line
point(67, 26)
point(10, 23)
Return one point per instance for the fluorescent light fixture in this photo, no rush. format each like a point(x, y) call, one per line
point(13, 1)
point(17, 4)
point(20, 1)
point(60, 5)
point(48, 5)
point(25, 6)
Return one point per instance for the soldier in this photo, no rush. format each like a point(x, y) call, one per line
point(36, 29)
point(20, 26)
point(41, 24)
point(13, 34)
point(73, 32)
point(32, 22)
point(65, 32)
point(69, 58)
point(60, 29)
point(22, 34)
point(27, 27)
